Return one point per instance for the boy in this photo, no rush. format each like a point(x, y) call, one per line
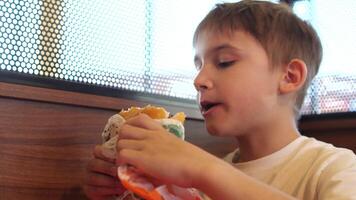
point(255, 60)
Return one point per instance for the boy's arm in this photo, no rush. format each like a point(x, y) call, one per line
point(220, 180)
point(146, 145)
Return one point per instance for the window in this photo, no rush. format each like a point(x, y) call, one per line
point(129, 46)
point(334, 88)
point(145, 46)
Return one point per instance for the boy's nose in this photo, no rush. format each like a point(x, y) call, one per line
point(202, 81)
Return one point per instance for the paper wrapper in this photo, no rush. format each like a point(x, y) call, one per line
point(138, 184)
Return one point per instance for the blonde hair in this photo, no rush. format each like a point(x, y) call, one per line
point(281, 33)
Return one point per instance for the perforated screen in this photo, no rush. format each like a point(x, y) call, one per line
point(145, 45)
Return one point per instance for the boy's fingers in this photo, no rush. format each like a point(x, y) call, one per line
point(101, 166)
point(129, 144)
point(102, 180)
point(128, 156)
point(127, 150)
point(132, 132)
point(145, 122)
point(102, 192)
point(103, 153)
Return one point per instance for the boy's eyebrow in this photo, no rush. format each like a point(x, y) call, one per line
point(216, 49)
point(224, 46)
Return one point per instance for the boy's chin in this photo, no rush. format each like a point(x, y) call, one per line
point(218, 131)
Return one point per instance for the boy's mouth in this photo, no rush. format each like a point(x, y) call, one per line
point(205, 106)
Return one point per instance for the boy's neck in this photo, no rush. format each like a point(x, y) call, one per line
point(271, 139)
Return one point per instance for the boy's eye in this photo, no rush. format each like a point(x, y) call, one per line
point(226, 63)
point(198, 67)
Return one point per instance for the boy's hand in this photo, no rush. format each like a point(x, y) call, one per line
point(145, 144)
point(101, 181)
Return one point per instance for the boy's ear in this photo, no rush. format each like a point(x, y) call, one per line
point(293, 76)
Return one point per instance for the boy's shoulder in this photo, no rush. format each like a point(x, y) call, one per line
point(304, 156)
point(333, 169)
point(305, 148)
point(323, 151)
point(305, 168)
point(311, 154)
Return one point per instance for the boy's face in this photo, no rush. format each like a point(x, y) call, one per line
point(237, 90)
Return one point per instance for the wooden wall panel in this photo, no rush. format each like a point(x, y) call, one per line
point(44, 148)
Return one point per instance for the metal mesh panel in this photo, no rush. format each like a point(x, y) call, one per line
point(131, 45)
point(329, 94)
point(105, 43)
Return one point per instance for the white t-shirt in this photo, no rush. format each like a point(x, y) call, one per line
point(306, 169)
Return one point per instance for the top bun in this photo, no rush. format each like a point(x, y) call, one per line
point(152, 111)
